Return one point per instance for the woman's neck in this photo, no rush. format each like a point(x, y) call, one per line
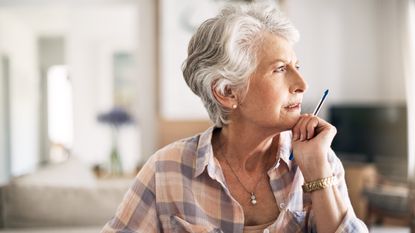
point(250, 150)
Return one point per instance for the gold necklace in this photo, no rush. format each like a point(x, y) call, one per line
point(253, 199)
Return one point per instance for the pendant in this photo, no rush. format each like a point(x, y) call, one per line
point(253, 199)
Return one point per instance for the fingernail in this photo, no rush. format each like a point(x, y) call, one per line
point(295, 137)
point(302, 137)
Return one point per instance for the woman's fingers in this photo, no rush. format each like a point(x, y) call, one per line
point(305, 128)
point(327, 130)
point(311, 126)
point(296, 130)
point(314, 137)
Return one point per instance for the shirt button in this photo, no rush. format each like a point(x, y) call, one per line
point(266, 231)
point(282, 205)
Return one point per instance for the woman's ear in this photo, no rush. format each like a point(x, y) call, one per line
point(227, 99)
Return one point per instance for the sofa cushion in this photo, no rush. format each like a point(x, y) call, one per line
point(72, 173)
point(61, 195)
point(54, 206)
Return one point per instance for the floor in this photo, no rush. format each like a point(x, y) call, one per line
point(389, 230)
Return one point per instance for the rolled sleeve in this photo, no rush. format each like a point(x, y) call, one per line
point(351, 223)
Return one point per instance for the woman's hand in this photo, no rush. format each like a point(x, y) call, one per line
point(312, 137)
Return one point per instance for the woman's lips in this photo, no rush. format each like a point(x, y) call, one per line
point(293, 107)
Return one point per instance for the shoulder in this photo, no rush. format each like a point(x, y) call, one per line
point(174, 156)
point(178, 150)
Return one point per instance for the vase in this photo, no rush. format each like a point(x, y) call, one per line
point(115, 162)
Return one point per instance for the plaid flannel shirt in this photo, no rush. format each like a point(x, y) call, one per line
point(181, 188)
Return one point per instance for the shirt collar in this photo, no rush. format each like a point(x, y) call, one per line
point(204, 151)
point(284, 149)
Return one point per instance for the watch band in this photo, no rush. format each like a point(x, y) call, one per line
point(323, 183)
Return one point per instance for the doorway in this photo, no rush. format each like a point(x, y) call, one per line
point(5, 161)
point(56, 115)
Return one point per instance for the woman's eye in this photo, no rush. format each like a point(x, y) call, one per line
point(280, 69)
point(297, 66)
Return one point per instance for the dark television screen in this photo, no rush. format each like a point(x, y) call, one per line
point(372, 133)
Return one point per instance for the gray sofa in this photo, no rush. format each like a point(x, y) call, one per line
point(60, 197)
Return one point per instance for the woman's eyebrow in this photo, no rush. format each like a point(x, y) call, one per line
point(278, 60)
point(283, 61)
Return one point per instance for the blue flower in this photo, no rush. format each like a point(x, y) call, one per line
point(116, 117)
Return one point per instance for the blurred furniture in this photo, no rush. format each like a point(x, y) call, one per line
point(173, 130)
point(61, 197)
point(359, 176)
point(375, 197)
point(387, 201)
point(412, 204)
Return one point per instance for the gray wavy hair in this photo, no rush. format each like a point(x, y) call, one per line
point(222, 52)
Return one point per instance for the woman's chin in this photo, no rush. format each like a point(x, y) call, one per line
point(290, 122)
point(285, 124)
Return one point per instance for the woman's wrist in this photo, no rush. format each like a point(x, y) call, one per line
point(317, 172)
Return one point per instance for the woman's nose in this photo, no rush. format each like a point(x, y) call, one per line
point(298, 85)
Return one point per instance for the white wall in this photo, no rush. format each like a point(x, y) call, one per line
point(147, 91)
point(390, 25)
point(178, 21)
point(92, 34)
point(350, 47)
point(3, 161)
point(18, 42)
point(3, 150)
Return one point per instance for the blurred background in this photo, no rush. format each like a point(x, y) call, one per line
point(90, 89)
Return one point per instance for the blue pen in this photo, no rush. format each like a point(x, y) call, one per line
point(315, 113)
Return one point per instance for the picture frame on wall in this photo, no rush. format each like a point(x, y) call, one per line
point(124, 64)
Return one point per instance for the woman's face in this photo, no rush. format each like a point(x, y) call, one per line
point(276, 88)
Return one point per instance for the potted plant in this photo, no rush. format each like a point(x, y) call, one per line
point(116, 118)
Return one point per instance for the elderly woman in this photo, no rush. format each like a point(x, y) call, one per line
point(237, 175)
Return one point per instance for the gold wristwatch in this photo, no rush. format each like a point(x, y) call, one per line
point(323, 183)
